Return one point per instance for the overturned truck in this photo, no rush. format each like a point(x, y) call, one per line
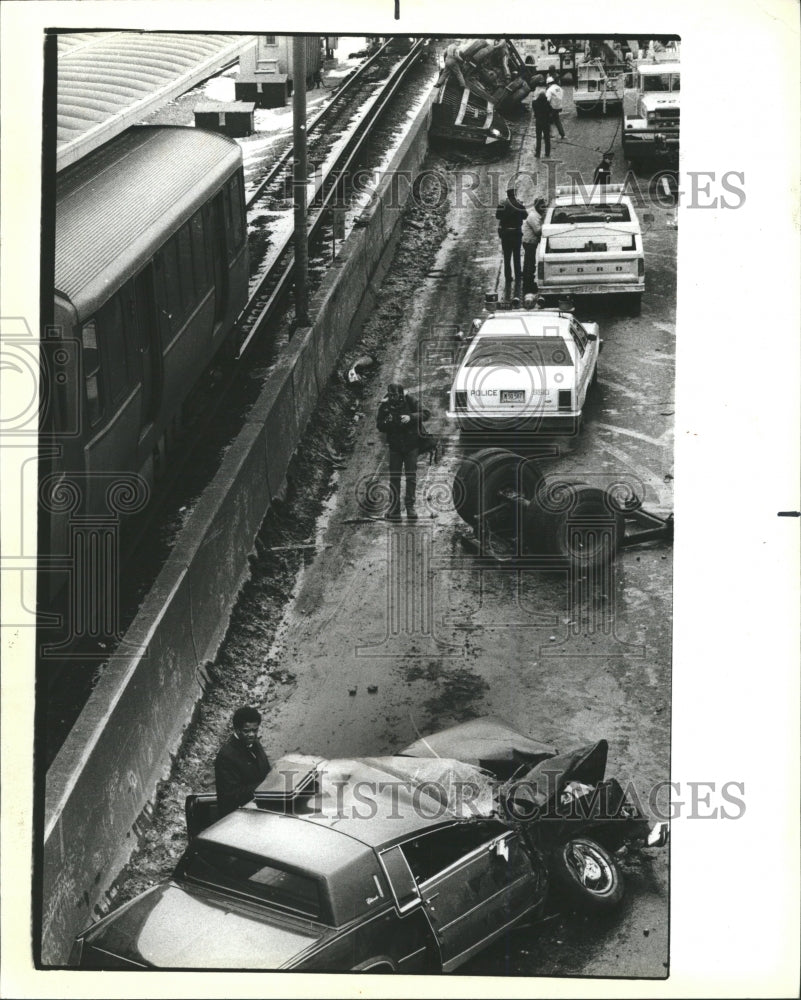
point(491, 79)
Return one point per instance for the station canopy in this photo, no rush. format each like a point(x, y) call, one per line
point(109, 80)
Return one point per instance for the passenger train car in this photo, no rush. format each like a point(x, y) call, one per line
point(151, 272)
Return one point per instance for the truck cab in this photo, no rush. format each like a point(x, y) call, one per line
point(651, 119)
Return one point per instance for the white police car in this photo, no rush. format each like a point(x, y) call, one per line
point(525, 370)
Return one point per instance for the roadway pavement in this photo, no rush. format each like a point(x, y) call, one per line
point(404, 608)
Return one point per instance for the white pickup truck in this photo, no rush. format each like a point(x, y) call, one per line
point(591, 245)
point(651, 125)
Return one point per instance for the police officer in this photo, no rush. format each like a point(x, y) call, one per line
point(399, 418)
point(510, 215)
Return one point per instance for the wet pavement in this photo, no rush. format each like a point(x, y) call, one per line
point(404, 608)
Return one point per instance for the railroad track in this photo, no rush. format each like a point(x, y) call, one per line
point(273, 284)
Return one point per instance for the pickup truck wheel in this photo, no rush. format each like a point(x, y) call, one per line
point(588, 875)
point(635, 304)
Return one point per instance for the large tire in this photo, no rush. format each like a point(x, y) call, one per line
point(584, 530)
point(506, 472)
point(465, 488)
point(587, 874)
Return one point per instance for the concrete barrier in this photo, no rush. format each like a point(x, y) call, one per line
point(106, 774)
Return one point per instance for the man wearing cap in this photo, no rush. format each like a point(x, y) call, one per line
point(399, 418)
point(541, 110)
point(510, 215)
point(532, 232)
point(241, 764)
point(554, 95)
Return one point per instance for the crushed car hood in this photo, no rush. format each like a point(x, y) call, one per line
point(483, 742)
point(173, 928)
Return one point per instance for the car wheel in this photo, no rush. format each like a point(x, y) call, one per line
point(635, 304)
point(594, 378)
point(588, 874)
point(576, 522)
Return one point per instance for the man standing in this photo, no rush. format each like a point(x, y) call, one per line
point(510, 215)
point(241, 764)
point(541, 110)
point(532, 232)
point(603, 172)
point(554, 95)
point(399, 418)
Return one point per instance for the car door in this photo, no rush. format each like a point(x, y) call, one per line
point(201, 811)
point(474, 899)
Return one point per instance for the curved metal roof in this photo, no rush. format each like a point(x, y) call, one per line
point(110, 80)
point(116, 206)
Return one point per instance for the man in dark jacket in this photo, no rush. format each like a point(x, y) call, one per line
point(541, 110)
point(399, 418)
point(603, 172)
point(510, 215)
point(241, 764)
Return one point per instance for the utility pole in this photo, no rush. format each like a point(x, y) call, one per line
point(300, 178)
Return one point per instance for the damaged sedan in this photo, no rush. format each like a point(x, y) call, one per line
point(406, 863)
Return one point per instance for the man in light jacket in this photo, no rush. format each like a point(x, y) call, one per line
point(554, 95)
point(532, 232)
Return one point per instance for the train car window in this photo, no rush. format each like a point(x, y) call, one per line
point(112, 333)
point(237, 211)
point(185, 262)
point(226, 202)
point(91, 372)
point(202, 279)
point(172, 282)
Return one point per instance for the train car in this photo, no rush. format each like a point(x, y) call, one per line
point(151, 272)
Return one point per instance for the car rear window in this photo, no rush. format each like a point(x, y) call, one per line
point(529, 352)
point(248, 873)
point(570, 214)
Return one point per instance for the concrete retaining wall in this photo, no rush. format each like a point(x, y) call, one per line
point(106, 773)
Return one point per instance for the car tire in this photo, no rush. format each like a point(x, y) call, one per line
point(587, 874)
point(635, 304)
point(594, 378)
point(553, 525)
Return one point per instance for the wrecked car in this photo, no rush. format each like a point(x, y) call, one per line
point(411, 862)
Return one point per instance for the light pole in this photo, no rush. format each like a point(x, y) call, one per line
point(300, 178)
